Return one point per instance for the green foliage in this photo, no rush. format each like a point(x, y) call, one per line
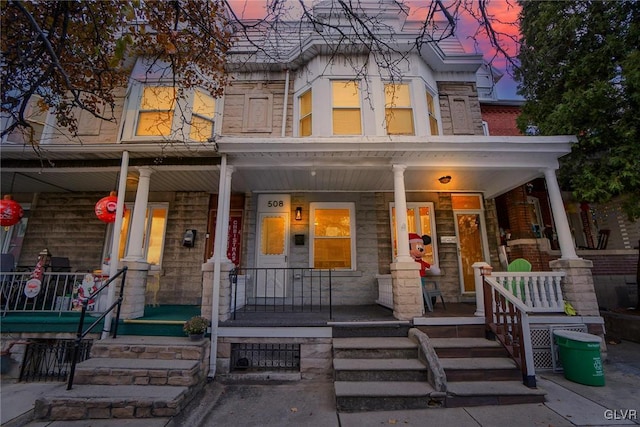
point(580, 74)
point(196, 325)
point(75, 55)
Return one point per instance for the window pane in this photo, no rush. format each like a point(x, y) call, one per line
point(465, 202)
point(305, 126)
point(433, 125)
point(430, 106)
point(346, 122)
point(273, 232)
point(396, 95)
point(332, 253)
point(345, 94)
point(156, 236)
point(399, 121)
point(201, 129)
point(203, 104)
point(305, 103)
point(155, 123)
point(332, 223)
point(124, 234)
point(158, 98)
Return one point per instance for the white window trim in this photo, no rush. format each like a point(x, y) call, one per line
point(182, 111)
point(106, 251)
point(352, 215)
point(433, 235)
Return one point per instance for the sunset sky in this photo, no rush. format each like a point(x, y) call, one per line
point(503, 14)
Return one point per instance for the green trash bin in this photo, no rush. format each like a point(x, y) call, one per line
point(580, 357)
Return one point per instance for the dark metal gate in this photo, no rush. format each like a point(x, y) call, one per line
point(50, 360)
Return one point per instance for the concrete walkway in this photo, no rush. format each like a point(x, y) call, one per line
point(313, 404)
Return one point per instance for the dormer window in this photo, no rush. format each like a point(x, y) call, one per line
point(346, 108)
point(397, 109)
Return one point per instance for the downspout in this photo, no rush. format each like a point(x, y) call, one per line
point(217, 257)
point(115, 242)
point(285, 104)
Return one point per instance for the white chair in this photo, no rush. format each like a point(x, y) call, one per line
point(431, 290)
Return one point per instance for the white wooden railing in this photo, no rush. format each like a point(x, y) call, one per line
point(539, 291)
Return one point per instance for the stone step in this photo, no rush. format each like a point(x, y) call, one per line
point(140, 372)
point(379, 370)
point(374, 348)
point(454, 331)
point(150, 347)
point(358, 396)
point(373, 329)
point(112, 401)
point(468, 347)
point(480, 393)
point(480, 369)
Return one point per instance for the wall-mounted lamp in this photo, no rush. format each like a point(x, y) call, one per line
point(298, 213)
point(445, 179)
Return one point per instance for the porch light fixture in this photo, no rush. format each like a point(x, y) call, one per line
point(445, 179)
point(299, 213)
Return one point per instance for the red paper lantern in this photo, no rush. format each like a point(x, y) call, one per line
point(106, 208)
point(10, 211)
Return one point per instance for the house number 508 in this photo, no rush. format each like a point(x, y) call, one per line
point(275, 203)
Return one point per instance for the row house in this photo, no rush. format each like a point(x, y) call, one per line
point(298, 188)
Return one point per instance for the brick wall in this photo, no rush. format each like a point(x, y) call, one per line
point(611, 264)
point(501, 119)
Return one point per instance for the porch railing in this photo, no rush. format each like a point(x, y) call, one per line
point(284, 290)
point(116, 305)
point(56, 293)
point(539, 291)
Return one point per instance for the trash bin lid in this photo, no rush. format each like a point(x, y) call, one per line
point(577, 336)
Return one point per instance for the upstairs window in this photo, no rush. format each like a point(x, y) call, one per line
point(432, 114)
point(305, 114)
point(204, 107)
point(155, 117)
point(346, 108)
point(397, 109)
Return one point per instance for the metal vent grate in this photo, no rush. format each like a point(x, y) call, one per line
point(265, 357)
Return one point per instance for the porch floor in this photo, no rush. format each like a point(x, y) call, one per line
point(340, 313)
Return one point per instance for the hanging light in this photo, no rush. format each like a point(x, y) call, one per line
point(106, 208)
point(10, 211)
point(445, 179)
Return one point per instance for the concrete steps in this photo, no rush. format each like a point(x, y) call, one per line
point(479, 372)
point(379, 374)
point(131, 377)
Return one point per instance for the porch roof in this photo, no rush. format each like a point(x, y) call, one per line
point(487, 164)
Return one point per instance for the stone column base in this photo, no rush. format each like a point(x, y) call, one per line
point(577, 286)
point(134, 289)
point(407, 290)
point(224, 298)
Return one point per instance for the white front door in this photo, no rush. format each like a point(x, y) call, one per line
point(272, 245)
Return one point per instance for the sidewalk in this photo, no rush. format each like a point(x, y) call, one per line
point(313, 404)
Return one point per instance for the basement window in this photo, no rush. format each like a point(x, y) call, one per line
point(250, 357)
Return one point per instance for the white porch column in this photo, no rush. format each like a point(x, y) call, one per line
point(479, 283)
point(225, 213)
point(400, 198)
point(567, 249)
point(136, 237)
point(115, 241)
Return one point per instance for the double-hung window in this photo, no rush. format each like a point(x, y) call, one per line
point(346, 108)
point(305, 127)
point(397, 109)
point(333, 235)
point(432, 114)
point(155, 225)
point(204, 107)
point(155, 115)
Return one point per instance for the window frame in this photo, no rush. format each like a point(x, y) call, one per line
point(432, 113)
point(313, 207)
point(335, 108)
point(390, 108)
point(303, 116)
point(106, 251)
point(417, 228)
point(182, 114)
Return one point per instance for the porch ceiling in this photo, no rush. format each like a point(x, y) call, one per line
point(490, 165)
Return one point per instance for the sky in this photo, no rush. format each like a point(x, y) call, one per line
point(503, 13)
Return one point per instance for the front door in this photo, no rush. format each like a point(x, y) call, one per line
point(272, 245)
point(472, 245)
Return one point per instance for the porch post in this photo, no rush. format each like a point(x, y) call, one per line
point(405, 272)
point(224, 214)
point(400, 198)
point(115, 241)
point(134, 252)
point(567, 248)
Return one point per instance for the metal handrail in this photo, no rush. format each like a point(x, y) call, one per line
point(81, 334)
